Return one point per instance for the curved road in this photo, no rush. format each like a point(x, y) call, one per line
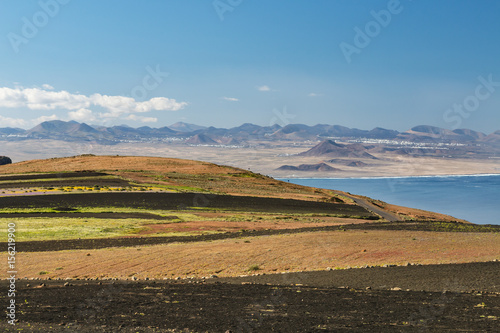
point(391, 217)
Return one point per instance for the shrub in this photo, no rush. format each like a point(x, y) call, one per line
point(254, 268)
point(5, 160)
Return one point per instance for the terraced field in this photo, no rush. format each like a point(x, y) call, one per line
point(143, 224)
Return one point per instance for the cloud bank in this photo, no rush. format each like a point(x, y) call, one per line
point(80, 106)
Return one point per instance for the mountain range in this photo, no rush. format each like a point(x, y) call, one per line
point(200, 135)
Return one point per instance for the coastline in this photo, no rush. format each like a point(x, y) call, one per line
point(396, 177)
point(469, 197)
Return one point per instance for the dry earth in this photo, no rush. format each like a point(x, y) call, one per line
point(294, 252)
point(257, 158)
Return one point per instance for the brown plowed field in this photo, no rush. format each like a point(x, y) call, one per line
point(226, 230)
point(305, 251)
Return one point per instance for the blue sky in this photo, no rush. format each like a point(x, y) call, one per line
point(393, 64)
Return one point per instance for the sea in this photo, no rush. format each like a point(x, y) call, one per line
point(475, 198)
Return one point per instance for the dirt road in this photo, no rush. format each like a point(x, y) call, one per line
point(372, 208)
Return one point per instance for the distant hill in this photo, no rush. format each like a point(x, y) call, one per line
point(11, 131)
point(382, 133)
point(469, 134)
point(74, 131)
point(305, 132)
point(425, 133)
point(308, 167)
point(201, 139)
point(349, 163)
point(493, 137)
point(185, 127)
point(228, 141)
point(71, 130)
point(329, 148)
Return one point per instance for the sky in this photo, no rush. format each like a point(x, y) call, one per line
point(357, 63)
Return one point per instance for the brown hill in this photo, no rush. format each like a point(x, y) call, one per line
point(330, 148)
point(71, 130)
point(425, 133)
point(201, 139)
point(228, 141)
point(176, 174)
point(469, 134)
point(308, 167)
point(350, 163)
point(493, 137)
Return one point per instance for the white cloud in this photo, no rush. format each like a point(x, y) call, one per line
point(263, 88)
point(314, 95)
point(80, 105)
point(142, 119)
point(44, 118)
point(11, 122)
point(82, 115)
point(47, 86)
point(231, 99)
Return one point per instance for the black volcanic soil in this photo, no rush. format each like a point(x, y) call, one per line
point(218, 306)
point(169, 201)
point(89, 179)
point(53, 175)
point(480, 276)
point(87, 182)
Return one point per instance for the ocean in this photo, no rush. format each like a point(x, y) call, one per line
point(473, 198)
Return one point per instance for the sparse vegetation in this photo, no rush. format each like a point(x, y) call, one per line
point(253, 268)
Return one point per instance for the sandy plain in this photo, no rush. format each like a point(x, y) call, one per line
point(258, 157)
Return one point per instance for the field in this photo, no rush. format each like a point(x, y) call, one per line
point(111, 243)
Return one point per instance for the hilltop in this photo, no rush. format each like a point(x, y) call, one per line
point(174, 173)
point(180, 175)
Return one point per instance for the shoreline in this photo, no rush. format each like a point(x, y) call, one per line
point(396, 177)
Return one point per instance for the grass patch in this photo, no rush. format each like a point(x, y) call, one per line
point(246, 175)
point(253, 268)
point(66, 228)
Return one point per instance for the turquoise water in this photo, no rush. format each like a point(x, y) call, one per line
point(473, 198)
